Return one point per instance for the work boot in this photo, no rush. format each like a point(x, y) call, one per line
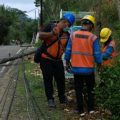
point(51, 103)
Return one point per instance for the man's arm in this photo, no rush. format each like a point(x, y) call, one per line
point(68, 51)
point(97, 51)
point(107, 53)
point(45, 35)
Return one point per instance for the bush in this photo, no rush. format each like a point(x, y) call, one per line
point(116, 34)
point(108, 90)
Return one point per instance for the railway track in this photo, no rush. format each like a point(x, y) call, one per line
point(10, 98)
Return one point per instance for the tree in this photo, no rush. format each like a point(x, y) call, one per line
point(14, 25)
point(5, 22)
point(105, 9)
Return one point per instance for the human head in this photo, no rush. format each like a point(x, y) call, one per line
point(66, 21)
point(105, 33)
point(69, 17)
point(88, 21)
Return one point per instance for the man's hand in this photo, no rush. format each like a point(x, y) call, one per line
point(56, 30)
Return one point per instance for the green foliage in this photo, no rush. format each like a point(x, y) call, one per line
point(14, 25)
point(106, 11)
point(30, 28)
point(38, 43)
point(5, 22)
point(108, 89)
point(109, 13)
point(116, 33)
point(51, 8)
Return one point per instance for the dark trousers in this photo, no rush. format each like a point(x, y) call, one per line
point(89, 81)
point(53, 69)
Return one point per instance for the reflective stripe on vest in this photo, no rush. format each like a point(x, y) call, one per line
point(57, 49)
point(82, 49)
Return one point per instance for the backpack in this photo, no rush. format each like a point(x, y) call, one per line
point(38, 53)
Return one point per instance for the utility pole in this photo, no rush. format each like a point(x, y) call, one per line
point(39, 18)
point(41, 13)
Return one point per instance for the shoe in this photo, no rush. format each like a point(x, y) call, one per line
point(92, 111)
point(51, 103)
point(82, 114)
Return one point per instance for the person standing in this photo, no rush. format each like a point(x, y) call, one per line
point(55, 40)
point(108, 49)
point(82, 51)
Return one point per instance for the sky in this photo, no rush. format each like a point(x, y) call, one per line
point(24, 5)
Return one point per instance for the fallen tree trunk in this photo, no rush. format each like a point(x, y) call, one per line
point(4, 60)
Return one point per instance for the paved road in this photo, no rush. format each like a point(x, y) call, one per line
point(6, 52)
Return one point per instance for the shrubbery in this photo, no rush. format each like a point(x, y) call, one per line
point(108, 90)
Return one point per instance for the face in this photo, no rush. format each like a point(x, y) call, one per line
point(63, 24)
point(89, 27)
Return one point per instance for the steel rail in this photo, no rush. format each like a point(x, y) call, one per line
point(33, 100)
point(12, 82)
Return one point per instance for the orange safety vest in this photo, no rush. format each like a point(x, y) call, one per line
point(82, 49)
point(56, 50)
point(110, 62)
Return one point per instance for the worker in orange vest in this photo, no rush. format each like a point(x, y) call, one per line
point(55, 40)
point(82, 51)
point(108, 49)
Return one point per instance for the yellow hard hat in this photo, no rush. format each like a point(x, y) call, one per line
point(105, 34)
point(90, 18)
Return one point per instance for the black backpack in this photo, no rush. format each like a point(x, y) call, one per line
point(38, 53)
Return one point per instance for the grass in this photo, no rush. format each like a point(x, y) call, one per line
point(34, 77)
